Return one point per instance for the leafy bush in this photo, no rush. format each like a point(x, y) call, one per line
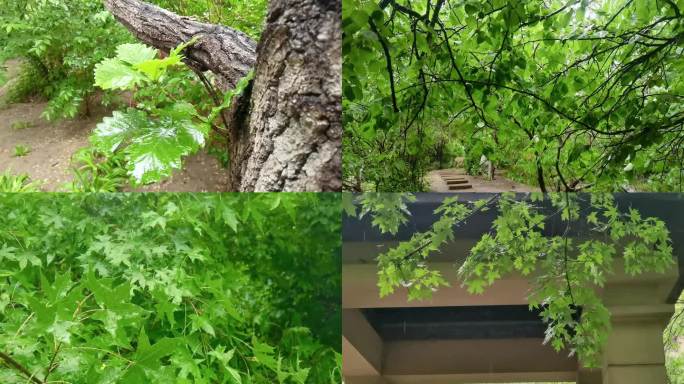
point(59, 42)
point(170, 288)
point(675, 369)
point(164, 127)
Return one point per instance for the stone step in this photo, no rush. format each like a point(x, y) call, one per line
point(455, 181)
point(459, 187)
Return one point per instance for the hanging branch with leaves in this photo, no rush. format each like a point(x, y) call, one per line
point(565, 269)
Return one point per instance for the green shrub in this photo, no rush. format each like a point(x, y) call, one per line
point(59, 42)
point(29, 83)
point(164, 127)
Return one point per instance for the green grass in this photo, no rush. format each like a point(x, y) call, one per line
point(21, 150)
point(19, 125)
point(17, 183)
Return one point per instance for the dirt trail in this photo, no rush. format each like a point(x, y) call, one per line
point(53, 143)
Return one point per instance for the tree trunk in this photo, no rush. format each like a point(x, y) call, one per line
point(286, 131)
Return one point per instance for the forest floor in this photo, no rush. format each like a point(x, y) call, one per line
point(53, 143)
point(437, 183)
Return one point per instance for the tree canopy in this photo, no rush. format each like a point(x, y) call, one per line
point(566, 95)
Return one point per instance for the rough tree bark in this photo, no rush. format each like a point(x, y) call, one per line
point(286, 131)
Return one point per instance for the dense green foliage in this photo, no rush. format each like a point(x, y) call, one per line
point(59, 43)
point(245, 16)
point(564, 269)
point(94, 172)
point(565, 95)
point(162, 288)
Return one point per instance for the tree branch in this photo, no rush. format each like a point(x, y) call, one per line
point(16, 365)
point(388, 60)
point(228, 53)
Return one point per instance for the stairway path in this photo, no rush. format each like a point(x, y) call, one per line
point(456, 180)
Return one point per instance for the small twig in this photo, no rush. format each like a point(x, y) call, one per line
point(456, 224)
point(214, 95)
point(52, 366)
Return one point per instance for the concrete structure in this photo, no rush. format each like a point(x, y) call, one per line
point(460, 338)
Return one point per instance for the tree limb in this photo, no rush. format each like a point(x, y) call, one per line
point(388, 60)
point(228, 53)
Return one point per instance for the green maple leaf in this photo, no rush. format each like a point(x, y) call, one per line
point(7, 252)
point(60, 330)
point(115, 74)
point(24, 258)
point(154, 147)
point(164, 308)
point(264, 354)
point(153, 219)
point(135, 53)
point(229, 217)
point(201, 322)
point(119, 254)
point(148, 355)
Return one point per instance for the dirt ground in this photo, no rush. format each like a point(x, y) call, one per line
point(52, 144)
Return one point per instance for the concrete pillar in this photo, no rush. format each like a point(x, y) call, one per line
point(634, 353)
point(361, 350)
